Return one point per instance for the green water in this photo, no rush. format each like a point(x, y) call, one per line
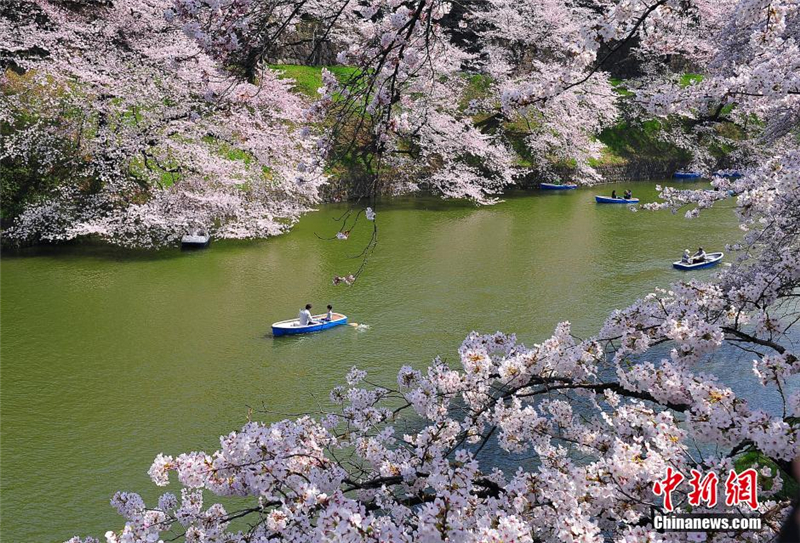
point(110, 357)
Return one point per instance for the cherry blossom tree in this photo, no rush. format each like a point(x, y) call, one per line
point(154, 135)
point(398, 114)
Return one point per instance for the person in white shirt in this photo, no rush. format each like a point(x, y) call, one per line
point(699, 256)
point(305, 316)
point(329, 316)
point(687, 257)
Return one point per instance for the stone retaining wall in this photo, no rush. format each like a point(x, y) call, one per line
point(643, 170)
point(637, 170)
point(306, 46)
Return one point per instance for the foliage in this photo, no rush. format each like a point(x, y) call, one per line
point(54, 123)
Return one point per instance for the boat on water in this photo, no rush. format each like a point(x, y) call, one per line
point(687, 175)
point(711, 259)
point(554, 186)
point(196, 239)
point(610, 200)
point(292, 326)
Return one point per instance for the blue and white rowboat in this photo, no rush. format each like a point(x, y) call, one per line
point(712, 259)
point(553, 186)
point(292, 326)
point(687, 175)
point(195, 240)
point(610, 200)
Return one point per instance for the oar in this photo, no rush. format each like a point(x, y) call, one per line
point(353, 324)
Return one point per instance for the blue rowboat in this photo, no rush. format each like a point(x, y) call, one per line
point(292, 326)
point(610, 200)
point(712, 259)
point(687, 175)
point(553, 186)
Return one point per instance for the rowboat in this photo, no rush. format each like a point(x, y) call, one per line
point(195, 240)
point(687, 175)
point(292, 326)
point(609, 200)
point(553, 186)
point(711, 259)
point(728, 174)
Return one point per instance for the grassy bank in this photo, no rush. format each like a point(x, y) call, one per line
point(625, 142)
point(307, 79)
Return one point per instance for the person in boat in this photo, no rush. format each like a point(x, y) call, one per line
point(305, 316)
point(329, 316)
point(687, 257)
point(614, 194)
point(628, 194)
point(699, 256)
